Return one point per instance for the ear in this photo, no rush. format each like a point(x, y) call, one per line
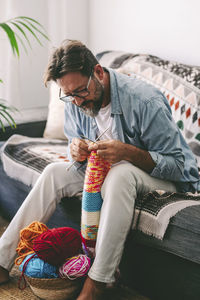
point(99, 72)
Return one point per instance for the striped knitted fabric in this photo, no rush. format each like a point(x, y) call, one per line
point(96, 171)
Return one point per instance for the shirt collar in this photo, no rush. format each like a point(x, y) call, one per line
point(114, 96)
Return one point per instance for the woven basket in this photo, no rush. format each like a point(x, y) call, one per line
point(55, 288)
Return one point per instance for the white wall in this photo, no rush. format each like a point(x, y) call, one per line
point(23, 78)
point(170, 29)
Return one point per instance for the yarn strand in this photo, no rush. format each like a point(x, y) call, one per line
point(27, 237)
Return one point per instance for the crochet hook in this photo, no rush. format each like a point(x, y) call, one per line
point(97, 139)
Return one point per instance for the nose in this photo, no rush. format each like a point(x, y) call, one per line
point(78, 101)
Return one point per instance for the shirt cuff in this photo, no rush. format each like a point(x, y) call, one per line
point(157, 158)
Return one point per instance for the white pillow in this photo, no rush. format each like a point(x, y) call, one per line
point(55, 121)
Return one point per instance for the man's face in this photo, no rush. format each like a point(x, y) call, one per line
point(73, 83)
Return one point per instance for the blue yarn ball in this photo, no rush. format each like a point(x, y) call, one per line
point(38, 268)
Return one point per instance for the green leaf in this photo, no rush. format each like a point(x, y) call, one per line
point(4, 115)
point(11, 36)
point(5, 107)
point(22, 31)
point(11, 118)
point(34, 27)
point(20, 23)
point(28, 28)
point(27, 18)
point(21, 41)
point(2, 126)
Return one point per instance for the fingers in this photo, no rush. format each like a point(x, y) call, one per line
point(99, 145)
point(110, 150)
point(103, 148)
point(79, 149)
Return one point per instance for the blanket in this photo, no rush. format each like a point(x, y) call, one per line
point(24, 158)
point(155, 209)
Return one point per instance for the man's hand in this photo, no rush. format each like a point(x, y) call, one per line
point(79, 149)
point(114, 151)
point(111, 150)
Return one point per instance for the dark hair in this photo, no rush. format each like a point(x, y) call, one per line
point(71, 56)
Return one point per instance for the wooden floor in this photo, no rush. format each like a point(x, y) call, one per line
point(10, 291)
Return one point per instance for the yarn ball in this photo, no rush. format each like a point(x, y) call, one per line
point(77, 266)
point(37, 268)
point(56, 245)
point(27, 236)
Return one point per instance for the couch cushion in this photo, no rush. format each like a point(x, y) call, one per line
point(55, 121)
point(182, 237)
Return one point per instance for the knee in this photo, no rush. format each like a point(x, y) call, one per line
point(120, 177)
point(52, 172)
point(50, 169)
point(120, 174)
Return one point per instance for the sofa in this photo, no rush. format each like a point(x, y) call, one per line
point(162, 268)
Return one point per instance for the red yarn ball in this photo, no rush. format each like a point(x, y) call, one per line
point(56, 245)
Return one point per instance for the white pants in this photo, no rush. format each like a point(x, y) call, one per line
point(121, 186)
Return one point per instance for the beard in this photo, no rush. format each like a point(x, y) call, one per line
point(96, 101)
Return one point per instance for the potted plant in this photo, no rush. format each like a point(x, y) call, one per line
point(18, 30)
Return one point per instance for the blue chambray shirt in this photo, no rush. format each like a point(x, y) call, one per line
point(142, 117)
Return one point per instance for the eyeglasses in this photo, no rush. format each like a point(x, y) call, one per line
point(81, 94)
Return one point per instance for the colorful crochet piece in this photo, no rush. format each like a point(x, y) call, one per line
point(96, 171)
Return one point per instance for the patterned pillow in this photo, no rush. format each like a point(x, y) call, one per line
point(180, 84)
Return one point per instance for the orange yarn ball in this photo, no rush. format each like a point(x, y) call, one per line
point(27, 237)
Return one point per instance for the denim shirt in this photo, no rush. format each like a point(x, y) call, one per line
point(141, 117)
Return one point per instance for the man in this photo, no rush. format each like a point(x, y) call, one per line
point(143, 144)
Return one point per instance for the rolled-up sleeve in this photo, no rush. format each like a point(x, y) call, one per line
point(167, 167)
point(161, 136)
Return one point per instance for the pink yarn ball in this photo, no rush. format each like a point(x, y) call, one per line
point(76, 266)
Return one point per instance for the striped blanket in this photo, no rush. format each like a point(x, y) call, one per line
point(154, 210)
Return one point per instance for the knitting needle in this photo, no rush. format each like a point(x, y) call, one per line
point(96, 138)
point(91, 141)
point(101, 134)
point(74, 160)
point(85, 138)
point(71, 165)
